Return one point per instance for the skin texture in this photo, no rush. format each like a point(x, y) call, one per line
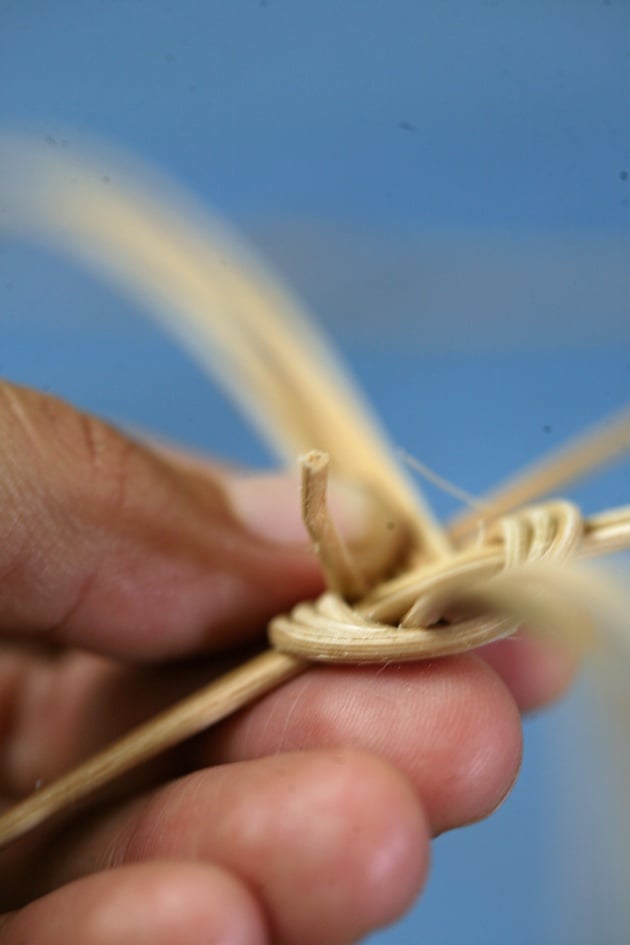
point(307, 818)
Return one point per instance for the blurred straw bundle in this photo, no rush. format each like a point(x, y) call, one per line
point(417, 589)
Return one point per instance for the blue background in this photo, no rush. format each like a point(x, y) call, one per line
point(447, 186)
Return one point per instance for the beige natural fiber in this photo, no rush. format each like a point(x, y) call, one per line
point(416, 589)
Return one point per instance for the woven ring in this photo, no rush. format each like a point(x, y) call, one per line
point(402, 619)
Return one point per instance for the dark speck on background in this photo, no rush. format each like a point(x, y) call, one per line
point(547, 428)
point(623, 175)
point(406, 126)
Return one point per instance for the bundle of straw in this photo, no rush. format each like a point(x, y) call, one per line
point(418, 589)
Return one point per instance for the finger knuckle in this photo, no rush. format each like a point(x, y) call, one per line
point(60, 452)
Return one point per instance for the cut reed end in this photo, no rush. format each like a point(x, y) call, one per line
point(341, 572)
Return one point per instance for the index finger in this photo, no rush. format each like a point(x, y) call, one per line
point(110, 546)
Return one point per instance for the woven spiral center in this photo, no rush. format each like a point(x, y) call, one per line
point(418, 614)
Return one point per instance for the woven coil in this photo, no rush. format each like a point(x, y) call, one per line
point(404, 619)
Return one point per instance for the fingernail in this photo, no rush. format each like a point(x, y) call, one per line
point(352, 509)
point(269, 506)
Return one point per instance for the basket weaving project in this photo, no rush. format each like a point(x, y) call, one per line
point(416, 589)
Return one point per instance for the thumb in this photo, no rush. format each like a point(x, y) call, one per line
point(111, 546)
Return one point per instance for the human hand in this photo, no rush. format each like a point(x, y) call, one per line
point(305, 819)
